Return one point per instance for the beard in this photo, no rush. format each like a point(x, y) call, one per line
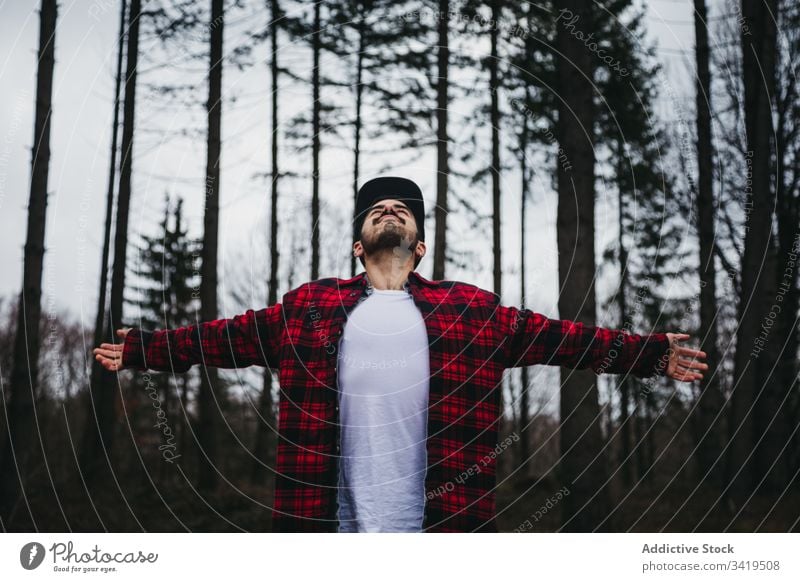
point(391, 238)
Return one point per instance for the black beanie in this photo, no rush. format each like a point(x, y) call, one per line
point(393, 187)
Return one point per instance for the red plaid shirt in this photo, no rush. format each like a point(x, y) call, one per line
point(472, 339)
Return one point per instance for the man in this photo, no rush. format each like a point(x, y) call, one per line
point(390, 383)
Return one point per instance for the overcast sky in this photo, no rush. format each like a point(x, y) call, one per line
point(82, 110)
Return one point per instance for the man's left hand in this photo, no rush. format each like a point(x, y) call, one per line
point(685, 364)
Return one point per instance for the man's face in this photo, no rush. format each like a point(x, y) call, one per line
point(389, 225)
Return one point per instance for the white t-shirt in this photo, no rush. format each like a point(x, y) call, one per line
point(384, 375)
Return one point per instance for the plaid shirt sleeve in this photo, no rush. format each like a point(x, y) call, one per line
point(252, 338)
point(531, 338)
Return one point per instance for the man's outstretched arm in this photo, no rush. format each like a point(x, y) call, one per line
point(532, 338)
point(252, 338)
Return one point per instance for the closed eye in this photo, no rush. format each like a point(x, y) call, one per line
point(397, 209)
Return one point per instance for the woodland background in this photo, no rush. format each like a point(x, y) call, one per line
point(562, 167)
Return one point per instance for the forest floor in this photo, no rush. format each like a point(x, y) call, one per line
point(176, 506)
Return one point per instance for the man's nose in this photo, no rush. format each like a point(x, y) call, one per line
point(391, 212)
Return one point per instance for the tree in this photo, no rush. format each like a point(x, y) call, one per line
point(710, 404)
point(263, 439)
point(166, 279)
point(24, 373)
point(100, 316)
point(774, 420)
point(528, 81)
point(442, 141)
point(758, 39)
point(98, 433)
point(788, 239)
point(526, 177)
point(494, 88)
point(648, 253)
point(492, 64)
point(582, 466)
point(316, 112)
point(209, 378)
point(315, 33)
point(366, 36)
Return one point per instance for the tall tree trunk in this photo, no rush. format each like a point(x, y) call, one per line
point(583, 466)
point(524, 397)
point(357, 129)
point(648, 437)
point(442, 159)
point(494, 88)
point(208, 406)
point(640, 432)
point(264, 434)
point(315, 144)
point(624, 384)
point(781, 432)
point(769, 422)
point(758, 65)
point(788, 203)
point(100, 317)
point(709, 407)
point(99, 430)
point(25, 367)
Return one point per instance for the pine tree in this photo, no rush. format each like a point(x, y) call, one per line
point(775, 420)
point(647, 250)
point(582, 464)
point(167, 276)
point(710, 404)
point(19, 407)
point(758, 53)
point(788, 236)
point(367, 35)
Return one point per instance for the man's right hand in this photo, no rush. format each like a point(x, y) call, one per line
point(110, 355)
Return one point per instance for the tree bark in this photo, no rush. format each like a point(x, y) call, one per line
point(788, 239)
point(442, 159)
point(315, 143)
point(494, 88)
point(758, 45)
point(524, 397)
point(780, 443)
point(626, 464)
point(25, 367)
point(99, 431)
point(357, 130)
point(710, 404)
point(583, 468)
point(100, 316)
point(264, 434)
point(210, 397)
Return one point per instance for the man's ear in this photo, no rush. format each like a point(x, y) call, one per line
point(358, 249)
point(421, 249)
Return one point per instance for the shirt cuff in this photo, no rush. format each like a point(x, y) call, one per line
point(653, 357)
point(134, 348)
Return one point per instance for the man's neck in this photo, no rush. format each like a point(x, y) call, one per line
point(385, 277)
